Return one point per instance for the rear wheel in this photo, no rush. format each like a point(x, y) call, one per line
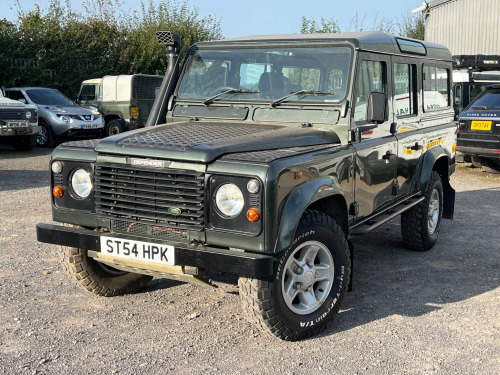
point(99, 278)
point(420, 225)
point(115, 127)
point(309, 282)
point(25, 143)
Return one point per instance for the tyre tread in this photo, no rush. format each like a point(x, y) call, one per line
point(256, 295)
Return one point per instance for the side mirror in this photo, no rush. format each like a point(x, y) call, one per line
point(375, 110)
point(22, 100)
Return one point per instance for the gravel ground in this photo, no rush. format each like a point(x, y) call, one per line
point(410, 313)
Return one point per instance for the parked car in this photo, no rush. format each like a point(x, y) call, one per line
point(58, 117)
point(479, 130)
point(18, 124)
point(125, 100)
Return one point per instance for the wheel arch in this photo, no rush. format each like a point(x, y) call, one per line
point(436, 159)
point(113, 116)
point(323, 195)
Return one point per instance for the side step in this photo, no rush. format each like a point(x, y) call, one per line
point(373, 222)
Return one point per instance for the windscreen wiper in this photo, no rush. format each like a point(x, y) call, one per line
point(480, 108)
point(274, 103)
point(229, 91)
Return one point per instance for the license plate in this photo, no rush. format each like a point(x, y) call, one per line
point(480, 125)
point(90, 126)
point(138, 250)
point(16, 124)
point(134, 111)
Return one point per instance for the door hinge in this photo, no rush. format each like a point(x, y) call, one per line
point(354, 209)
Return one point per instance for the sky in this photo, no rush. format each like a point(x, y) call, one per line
point(254, 17)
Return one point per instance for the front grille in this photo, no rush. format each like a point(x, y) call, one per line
point(12, 114)
point(166, 199)
point(165, 233)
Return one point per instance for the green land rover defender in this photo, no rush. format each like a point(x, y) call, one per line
point(262, 157)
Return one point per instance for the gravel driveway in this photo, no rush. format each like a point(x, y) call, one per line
point(409, 313)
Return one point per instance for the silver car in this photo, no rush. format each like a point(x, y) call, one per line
point(58, 116)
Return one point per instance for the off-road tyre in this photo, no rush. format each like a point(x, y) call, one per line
point(45, 137)
point(99, 278)
point(420, 225)
point(25, 143)
point(265, 301)
point(114, 127)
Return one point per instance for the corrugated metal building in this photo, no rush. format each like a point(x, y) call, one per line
point(466, 27)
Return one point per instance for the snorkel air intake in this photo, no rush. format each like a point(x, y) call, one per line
point(172, 42)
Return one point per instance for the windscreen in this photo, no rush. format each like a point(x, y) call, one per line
point(315, 74)
point(48, 97)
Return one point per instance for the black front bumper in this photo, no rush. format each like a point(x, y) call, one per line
point(230, 261)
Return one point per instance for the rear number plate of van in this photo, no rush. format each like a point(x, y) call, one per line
point(480, 125)
point(138, 250)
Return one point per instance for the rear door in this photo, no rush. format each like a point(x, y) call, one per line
point(410, 135)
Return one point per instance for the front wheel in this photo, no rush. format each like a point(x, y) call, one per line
point(420, 224)
point(309, 282)
point(45, 137)
point(99, 278)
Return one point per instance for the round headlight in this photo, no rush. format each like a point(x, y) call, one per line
point(66, 119)
point(81, 183)
point(28, 114)
point(229, 200)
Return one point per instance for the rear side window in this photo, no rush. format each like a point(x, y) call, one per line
point(436, 87)
point(405, 89)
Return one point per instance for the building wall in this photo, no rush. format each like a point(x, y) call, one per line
point(466, 27)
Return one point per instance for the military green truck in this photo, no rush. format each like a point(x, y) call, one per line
point(18, 123)
point(263, 157)
point(124, 100)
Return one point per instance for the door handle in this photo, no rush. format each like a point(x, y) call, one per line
point(387, 156)
point(417, 147)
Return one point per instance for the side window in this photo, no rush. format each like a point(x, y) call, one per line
point(436, 89)
point(15, 95)
point(475, 90)
point(458, 94)
point(372, 77)
point(405, 89)
point(87, 92)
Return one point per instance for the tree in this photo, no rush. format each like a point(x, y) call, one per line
point(59, 48)
point(412, 26)
point(310, 26)
point(143, 53)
